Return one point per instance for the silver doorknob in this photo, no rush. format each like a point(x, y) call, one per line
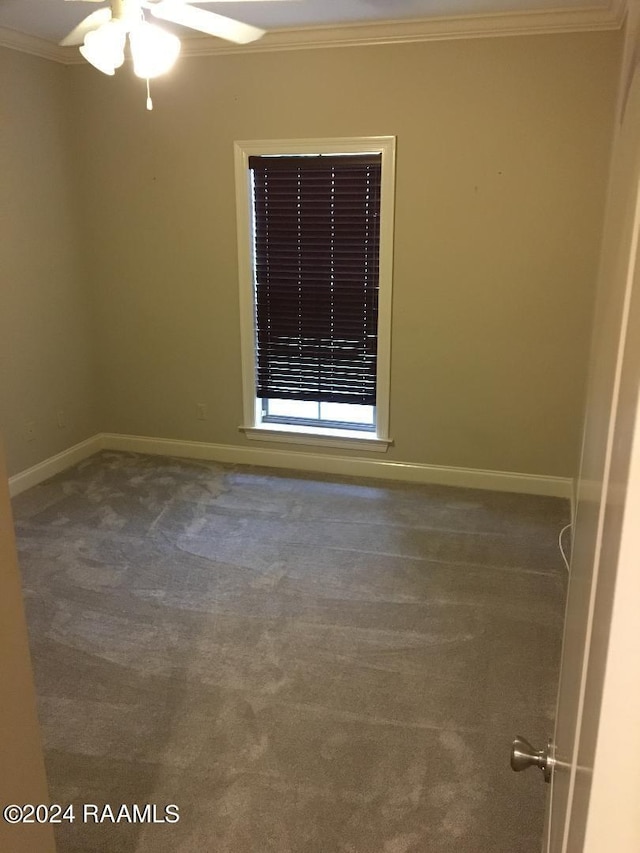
point(523, 755)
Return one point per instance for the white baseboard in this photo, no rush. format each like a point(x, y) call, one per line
point(53, 465)
point(472, 478)
point(502, 481)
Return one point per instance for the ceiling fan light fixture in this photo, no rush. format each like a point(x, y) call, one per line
point(153, 49)
point(104, 47)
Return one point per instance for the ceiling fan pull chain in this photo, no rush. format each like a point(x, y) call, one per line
point(149, 101)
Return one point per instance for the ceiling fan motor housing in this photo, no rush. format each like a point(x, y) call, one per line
point(128, 12)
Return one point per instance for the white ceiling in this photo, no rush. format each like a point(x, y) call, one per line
point(52, 19)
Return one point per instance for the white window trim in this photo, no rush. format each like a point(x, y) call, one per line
point(386, 146)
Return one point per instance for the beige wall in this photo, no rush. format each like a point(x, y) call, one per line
point(502, 153)
point(45, 357)
point(22, 777)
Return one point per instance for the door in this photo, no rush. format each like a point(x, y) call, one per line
point(22, 774)
point(595, 700)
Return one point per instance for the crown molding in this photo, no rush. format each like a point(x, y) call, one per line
point(430, 29)
point(33, 45)
point(561, 20)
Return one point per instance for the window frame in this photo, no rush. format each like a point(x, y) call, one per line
point(253, 426)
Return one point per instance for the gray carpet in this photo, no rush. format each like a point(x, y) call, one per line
point(303, 664)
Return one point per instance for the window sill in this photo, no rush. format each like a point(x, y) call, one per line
point(348, 440)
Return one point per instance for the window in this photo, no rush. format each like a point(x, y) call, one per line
point(315, 232)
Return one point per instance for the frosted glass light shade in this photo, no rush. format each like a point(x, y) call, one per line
point(104, 47)
point(154, 50)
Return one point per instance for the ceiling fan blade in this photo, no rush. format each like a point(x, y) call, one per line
point(91, 22)
point(205, 22)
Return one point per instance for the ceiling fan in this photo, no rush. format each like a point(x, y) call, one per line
point(102, 34)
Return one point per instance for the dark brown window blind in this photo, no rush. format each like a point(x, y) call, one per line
point(317, 244)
